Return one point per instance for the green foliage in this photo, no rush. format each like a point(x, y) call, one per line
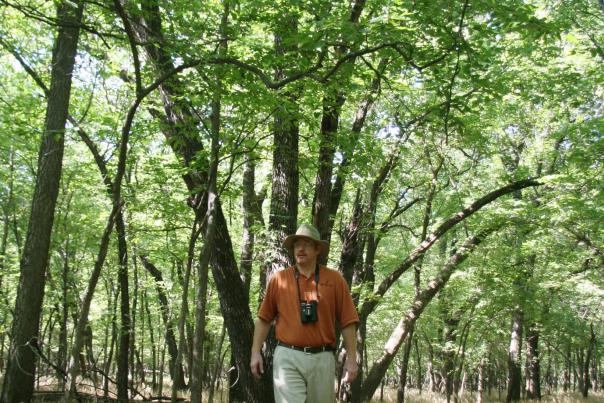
point(516, 92)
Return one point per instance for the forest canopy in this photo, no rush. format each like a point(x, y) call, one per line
point(154, 155)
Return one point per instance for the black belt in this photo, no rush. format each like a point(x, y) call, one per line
point(309, 350)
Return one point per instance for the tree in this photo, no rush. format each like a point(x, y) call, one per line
point(384, 123)
point(19, 378)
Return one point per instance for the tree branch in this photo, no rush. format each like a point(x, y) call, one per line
point(32, 73)
point(420, 302)
point(132, 40)
point(371, 302)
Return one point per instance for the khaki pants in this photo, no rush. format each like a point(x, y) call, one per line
point(303, 378)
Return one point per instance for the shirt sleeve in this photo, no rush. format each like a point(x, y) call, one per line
point(268, 308)
point(347, 313)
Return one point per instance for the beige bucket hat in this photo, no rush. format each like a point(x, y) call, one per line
point(307, 231)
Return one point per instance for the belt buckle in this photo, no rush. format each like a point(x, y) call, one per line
point(307, 350)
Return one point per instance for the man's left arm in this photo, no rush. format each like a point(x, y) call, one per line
point(349, 333)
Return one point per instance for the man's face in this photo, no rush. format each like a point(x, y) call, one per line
point(305, 251)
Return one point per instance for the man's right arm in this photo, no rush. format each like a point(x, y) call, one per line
point(261, 330)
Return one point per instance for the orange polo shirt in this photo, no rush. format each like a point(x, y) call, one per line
point(334, 306)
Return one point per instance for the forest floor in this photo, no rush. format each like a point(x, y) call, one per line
point(47, 392)
point(413, 396)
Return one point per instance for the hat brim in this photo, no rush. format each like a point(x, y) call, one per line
point(289, 241)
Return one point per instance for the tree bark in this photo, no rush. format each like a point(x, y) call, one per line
point(481, 381)
point(201, 297)
point(125, 324)
point(283, 214)
point(322, 212)
point(449, 340)
point(62, 354)
point(210, 224)
point(249, 202)
point(152, 341)
point(332, 104)
point(590, 348)
point(533, 363)
point(420, 374)
point(113, 297)
point(402, 384)
point(417, 277)
point(21, 368)
point(217, 368)
point(514, 357)
point(234, 303)
point(133, 318)
point(351, 250)
point(369, 304)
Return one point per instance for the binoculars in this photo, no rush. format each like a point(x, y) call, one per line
point(308, 311)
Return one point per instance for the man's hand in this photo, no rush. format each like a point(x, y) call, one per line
point(257, 365)
point(352, 370)
point(261, 329)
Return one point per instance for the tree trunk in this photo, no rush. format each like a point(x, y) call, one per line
point(19, 376)
point(420, 379)
point(152, 341)
point(234, 303)
point(481, 381)
point(366, 274)
point(176, 371)
point(162, 365)
point(323, 212)
point(402, 384)
point(125, 324)
point(514, 357)
point(249, 201)
point(348, 152)
point(179, 127)
point(594, 371)
point(79, 333)
point(62, 354)
point(533, 364)
point(567, 369)
point(449, 340)
point(133, 318)
point(590, 348)
point(351, 243)
point(431, 372)
point(113, 294)
point(332, 103)
point(283, 214)
point(209, 234)
point(114, 192)
point(217, 368)
point(3, 243)
point(461, 374)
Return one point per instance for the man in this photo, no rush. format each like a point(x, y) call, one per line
point(306, 300)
